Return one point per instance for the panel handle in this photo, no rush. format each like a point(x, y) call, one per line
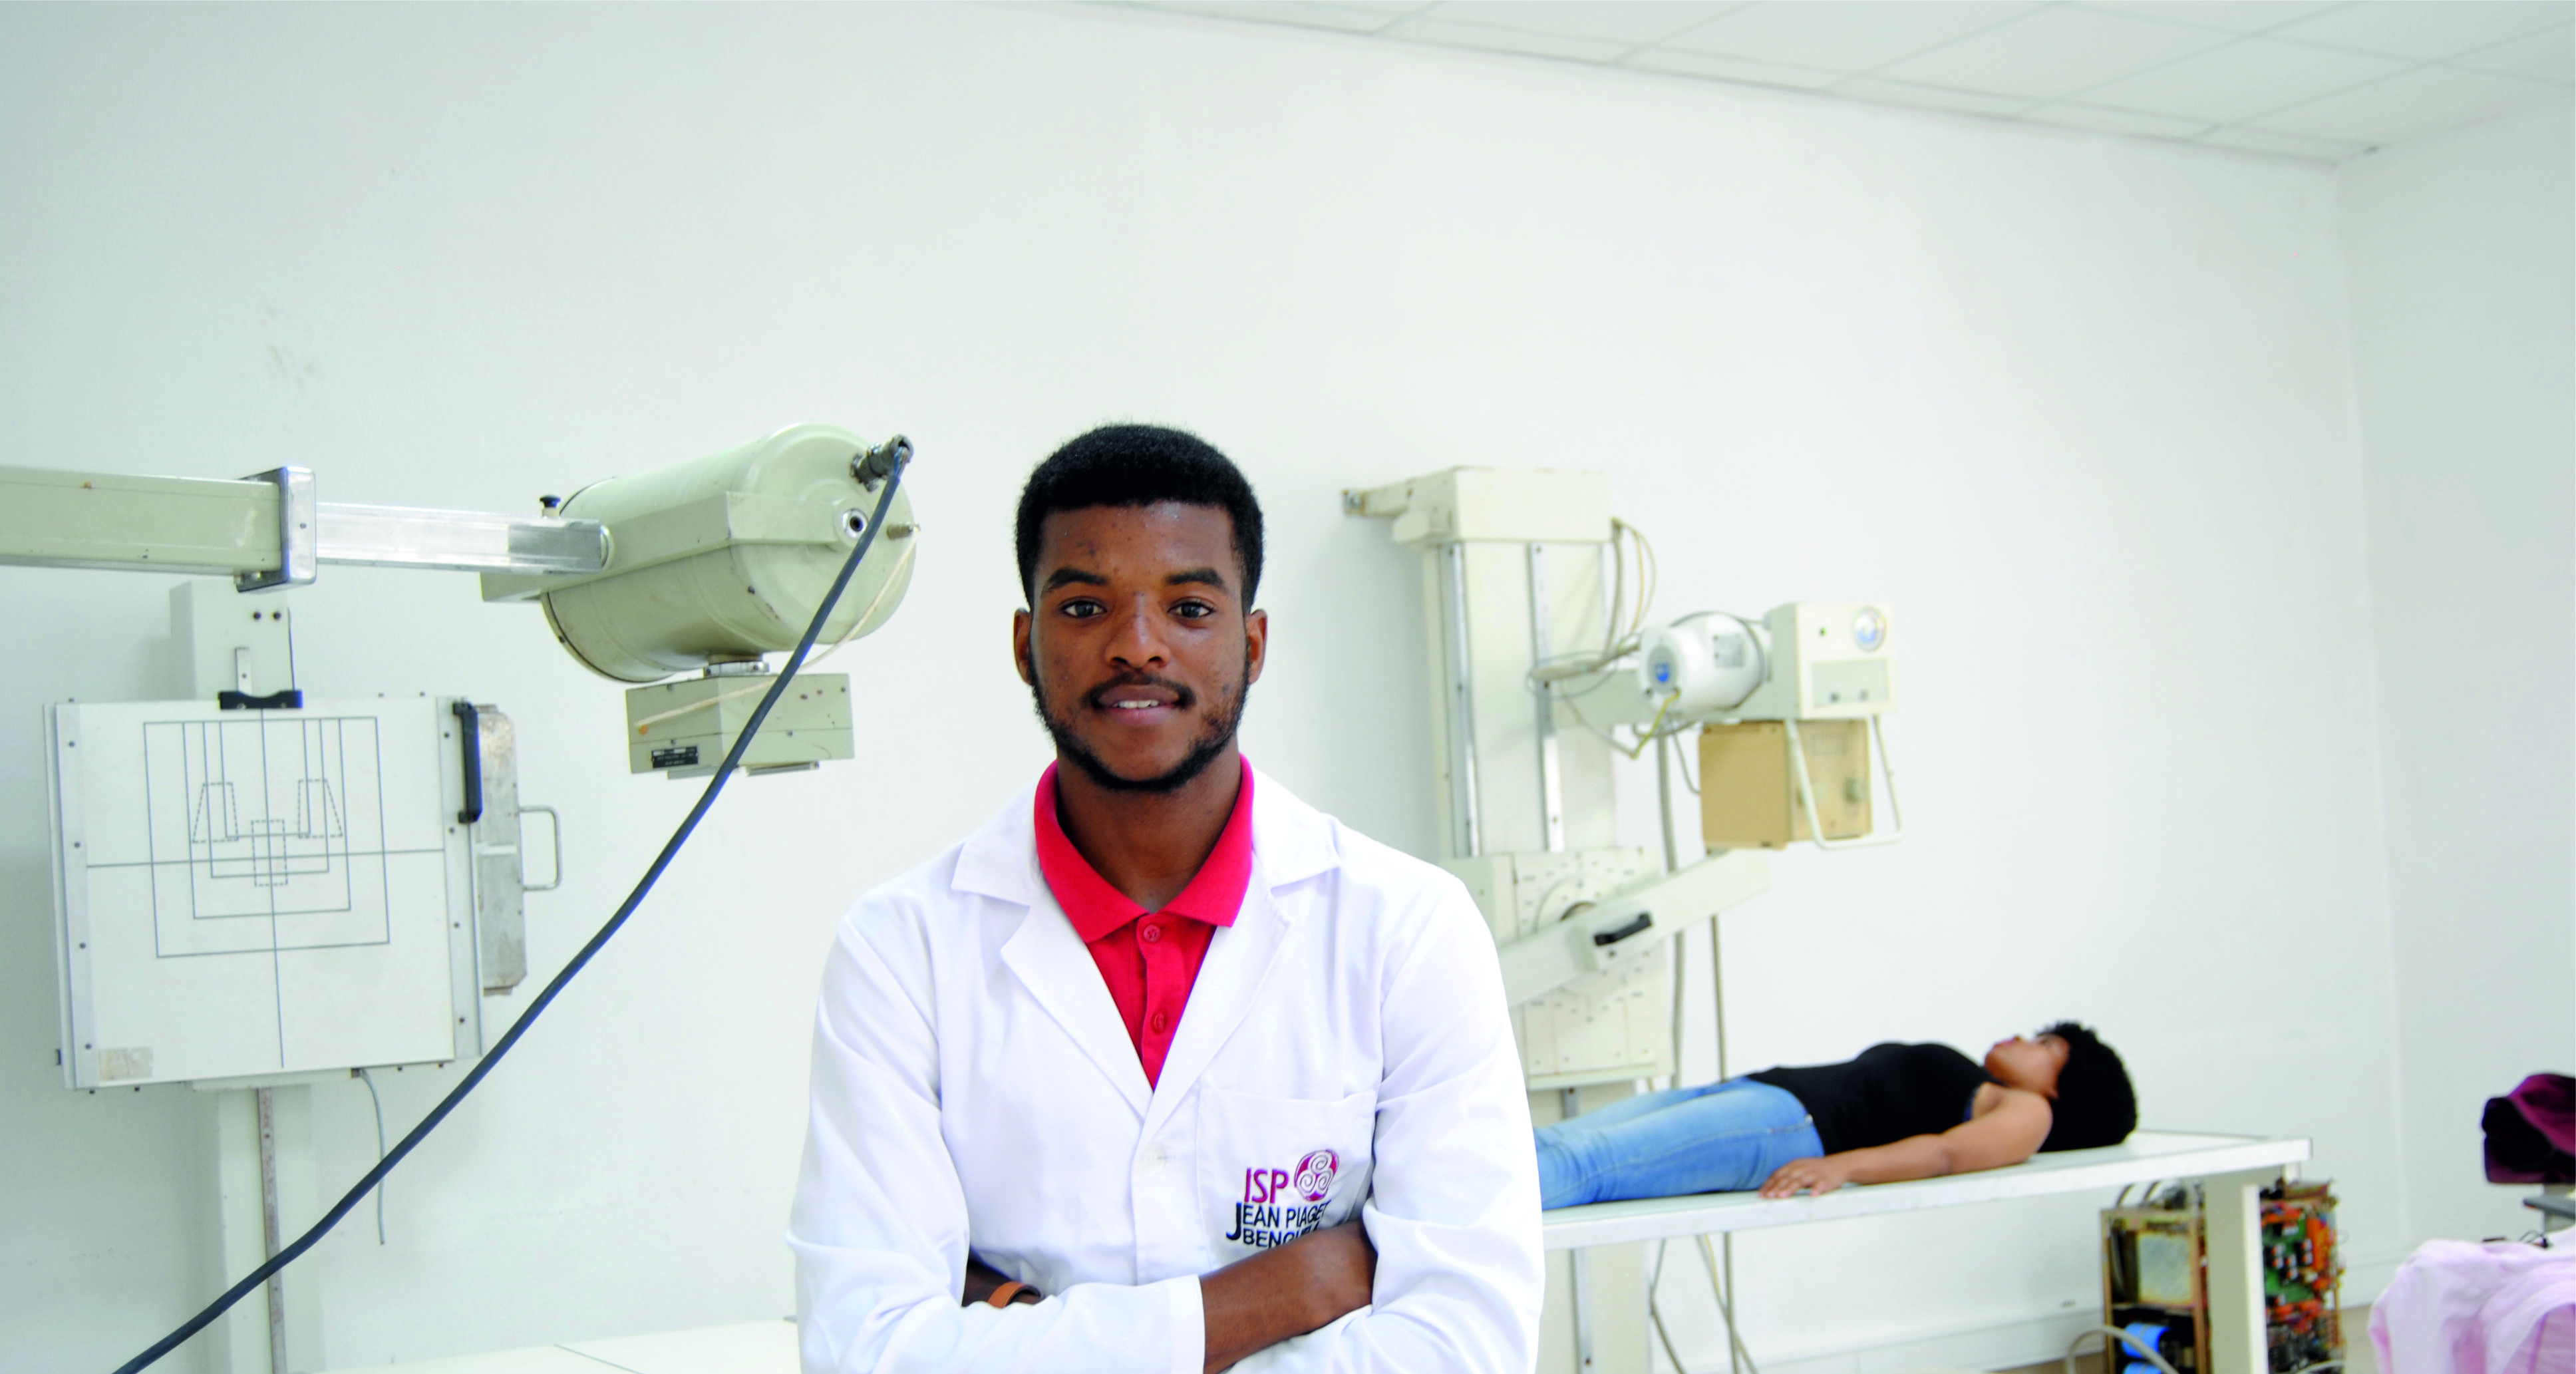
point(554, 825)
point(469, 738)
point(1645, 921)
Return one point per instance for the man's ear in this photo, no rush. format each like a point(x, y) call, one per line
point(1020, 647)
point(1256, 645)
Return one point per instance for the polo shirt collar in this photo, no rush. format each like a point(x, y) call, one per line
point(1097, 908)
point(1291, 844)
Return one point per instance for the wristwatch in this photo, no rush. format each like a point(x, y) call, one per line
point(1011, 1291)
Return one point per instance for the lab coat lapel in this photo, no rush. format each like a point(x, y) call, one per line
point(1239, 960)
point(1291, 843)
point(1051, 962)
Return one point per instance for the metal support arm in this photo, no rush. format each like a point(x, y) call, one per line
point(254, 529)
point(1626, 924)
point(460, 540)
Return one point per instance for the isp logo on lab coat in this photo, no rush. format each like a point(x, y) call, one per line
point(1314, 1181)
point(1274, 1168)
point(1269, 1213)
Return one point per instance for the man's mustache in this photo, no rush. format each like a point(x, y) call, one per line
point(1182, 697)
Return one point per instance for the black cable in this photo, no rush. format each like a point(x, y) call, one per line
point(896, 454)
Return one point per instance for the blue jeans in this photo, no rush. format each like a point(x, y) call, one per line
point(1718, 1137)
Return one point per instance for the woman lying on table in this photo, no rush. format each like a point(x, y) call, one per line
point(1896, 1112)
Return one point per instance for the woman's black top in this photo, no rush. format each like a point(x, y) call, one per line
point(1888, 1093)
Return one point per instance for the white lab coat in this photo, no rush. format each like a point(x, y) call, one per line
point(1345, 1051)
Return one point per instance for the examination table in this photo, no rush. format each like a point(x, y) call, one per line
point(2232, 1169)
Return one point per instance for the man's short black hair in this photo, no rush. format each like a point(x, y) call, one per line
point(1139, 465)
point(2095, 1104)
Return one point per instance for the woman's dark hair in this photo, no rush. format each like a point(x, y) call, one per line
point(2095, 1104)
point(1139, 465)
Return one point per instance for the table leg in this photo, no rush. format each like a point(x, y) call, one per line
point(1584, 1354)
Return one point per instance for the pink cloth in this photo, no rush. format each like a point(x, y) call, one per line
point(2499, 1308)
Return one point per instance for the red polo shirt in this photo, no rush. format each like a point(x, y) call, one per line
point(1149, 961)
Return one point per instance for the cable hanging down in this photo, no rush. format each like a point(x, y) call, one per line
point(886, 461)
point(1568, 678)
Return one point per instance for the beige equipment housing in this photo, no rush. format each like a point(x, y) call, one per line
point(1749, 792)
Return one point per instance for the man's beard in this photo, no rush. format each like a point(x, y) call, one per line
point(1223, 717)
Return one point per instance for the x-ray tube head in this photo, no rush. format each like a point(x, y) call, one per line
point(1702, 664)
point(725, 558)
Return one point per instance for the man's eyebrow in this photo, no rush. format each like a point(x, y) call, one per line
point(1066, 577)
point(1209, 576)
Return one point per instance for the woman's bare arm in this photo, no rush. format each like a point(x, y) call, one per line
point(2008, 1134)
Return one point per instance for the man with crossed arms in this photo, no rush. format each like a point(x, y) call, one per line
point(1162, 1070)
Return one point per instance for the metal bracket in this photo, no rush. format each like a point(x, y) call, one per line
point(1807, 793)
point(299, 538)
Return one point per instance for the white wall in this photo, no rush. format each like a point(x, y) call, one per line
point(2080, 408)
point(2464, 322)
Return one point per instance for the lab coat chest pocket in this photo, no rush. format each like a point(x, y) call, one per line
point(1271, 1169)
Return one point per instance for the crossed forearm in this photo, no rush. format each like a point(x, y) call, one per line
point(983, 1281)
point(1254, 1304)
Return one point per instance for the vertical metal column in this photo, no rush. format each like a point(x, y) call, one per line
point(1462, 701)
point(267, 1109)
point(1551, 776)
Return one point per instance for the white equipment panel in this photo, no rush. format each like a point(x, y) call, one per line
point(1608, 1027)
point(247, 893)
point(1829, 661)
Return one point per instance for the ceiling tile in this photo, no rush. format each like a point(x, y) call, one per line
point(2426, 100)
point(2427, 30)
point(2117, 121)
point(2244, 78)
point(1733, 69)
point(1886, 92)
point(1458, 33)
point(2550, 55)
point(1633, 22)
point(1848, 36)
point(1360, 16)
point(2282, 145)
point(2323, 82)
point(2053, 53)
point(2235, 16)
